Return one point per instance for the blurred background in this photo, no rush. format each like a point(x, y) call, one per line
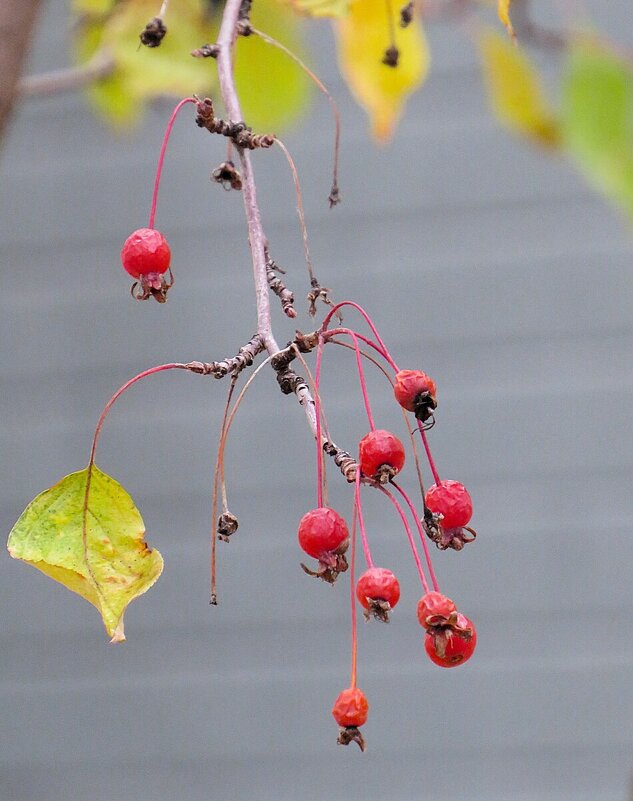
point(487, 264)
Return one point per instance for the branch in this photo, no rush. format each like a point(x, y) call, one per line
point(17, 18)
point(69, 79)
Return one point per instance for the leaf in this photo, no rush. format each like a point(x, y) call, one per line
point(514, 90)
point(503, 10)
point(363, 37)
point(597, 119)
point(111, 565)
point(322, 8)
point(273, 91)
point(143, 73)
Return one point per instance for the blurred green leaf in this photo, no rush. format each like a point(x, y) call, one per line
point(322, 8)
point(597, 117)
point(87, 534)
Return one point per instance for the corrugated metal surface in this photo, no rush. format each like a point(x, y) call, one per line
point(491, 266)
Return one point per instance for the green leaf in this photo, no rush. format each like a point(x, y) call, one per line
point(142, 73)
point(86, 533)
point(598, 119)
point(273, 90)
point(514, 89)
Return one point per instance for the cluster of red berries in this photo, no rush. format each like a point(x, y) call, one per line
point(450, 637)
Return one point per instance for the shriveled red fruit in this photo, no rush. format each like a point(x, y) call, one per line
point(350, 711)
point(415, 392)
point(322, 530)
point(323, 534)
point(145, 251)
point(451, 500)
point(434, 609)
point(378, 591)
point(381, 455)
point(451, 647)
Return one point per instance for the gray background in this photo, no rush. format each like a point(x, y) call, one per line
point(489, 265)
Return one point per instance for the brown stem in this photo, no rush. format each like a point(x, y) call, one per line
point(67, 80)
point(17, 18)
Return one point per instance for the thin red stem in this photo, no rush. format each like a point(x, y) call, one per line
point(369, 322)
point(361, 521)
point(425, 546)
point(335, 331)
point(119, 392)
point(407, 528)
point(161, 157)
point(317, 410)
point(428, 453)
point(352, 587)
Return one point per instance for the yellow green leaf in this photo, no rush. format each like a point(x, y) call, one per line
point(141, 73)
point(597, 113)
point(322, 8)
point(514, 89)
point(273, 91)
point(503, 10)
point(86, 533)
point(92, 6)
point(363, 38)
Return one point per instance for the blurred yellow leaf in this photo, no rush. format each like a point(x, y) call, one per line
point(363, 37)
point(322, 8)
point(273, 91)
point(515, 90)
point(86, 533)
point(503, 10)
point(141, 73)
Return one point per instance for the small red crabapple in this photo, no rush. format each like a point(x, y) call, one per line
point(451, 500)
point(378, 592)
point(381, 455)
point(415, 392)
point(449, 647)
point(435, 609)
point(350, 711)
point(323, 534)
point(146, 256)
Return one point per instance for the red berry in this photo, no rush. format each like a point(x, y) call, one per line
point(322, 531)
point(452, 501)
point(380, 448)
point(145, 252)
point(350, 708)
point(413, 388)
point(434, 609)
point(449, 648)
point(377, 584)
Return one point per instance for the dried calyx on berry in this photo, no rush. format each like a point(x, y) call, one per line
point(350, 711)
point(451, 644)
point(227, 175)
point(415, 392)
point(378, 592)
point(448, 508)
point(381, 455)
point(323, 534)
point(227, 525)
point(146, 256)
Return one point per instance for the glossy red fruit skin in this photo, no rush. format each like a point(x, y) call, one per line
point(452, 501)
point(458, 649)
point(322, 530)
point(144, 252)
point(350, 708)
point(378, 584)
point(409, 384)
point(380, 447)
point(433, 607)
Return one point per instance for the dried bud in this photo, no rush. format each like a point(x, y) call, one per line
point(153, 33)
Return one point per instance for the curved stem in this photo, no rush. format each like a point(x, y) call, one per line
point(369, 322)
point(407, 528)
point(161, 157)
point(160, 368)
point(429, 456)
point(425, 546)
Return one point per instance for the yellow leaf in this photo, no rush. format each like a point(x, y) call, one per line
point(363, 38)
point(86, 533)
point(321, 8)
point(515, 90)
point(503, 10)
